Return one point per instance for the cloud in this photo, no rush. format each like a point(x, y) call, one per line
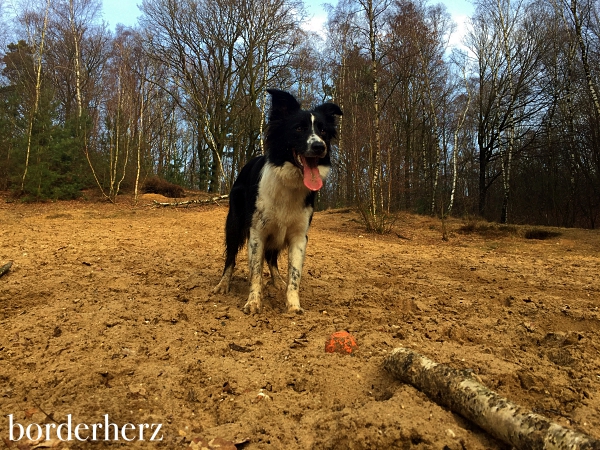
point(462, 28)
point(316, 24)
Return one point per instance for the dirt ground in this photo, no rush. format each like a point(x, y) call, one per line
point(107, 311)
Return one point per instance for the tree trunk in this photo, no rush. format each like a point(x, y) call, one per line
point(376, 191)
point(483, 161)
point(459, 125)
point(36, 102)
point(78, 96)
point(77, 62)
point(139, 143)
point(508, 152)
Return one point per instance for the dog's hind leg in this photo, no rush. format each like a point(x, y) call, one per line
point(276, 280)
point(256, 256)
point(231, 253)
point(231, 250)
point(223, 286)
point(235, 236)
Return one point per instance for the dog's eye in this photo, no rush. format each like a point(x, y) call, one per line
point(301, 128)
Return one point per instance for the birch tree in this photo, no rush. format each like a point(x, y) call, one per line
point(37, 39)
point(77, 55)
point(461, 62)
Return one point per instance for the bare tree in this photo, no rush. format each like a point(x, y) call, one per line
point(580, 13)
point(435, 83)
point(363, 40)
point(508, 53)
point(461, 61)
point(76, 56)
point(36, 38)
point(218, 54)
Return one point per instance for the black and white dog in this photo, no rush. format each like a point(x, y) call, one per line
point(271, 202)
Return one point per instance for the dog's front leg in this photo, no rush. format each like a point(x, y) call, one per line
point(297, 251)
point(256, 256)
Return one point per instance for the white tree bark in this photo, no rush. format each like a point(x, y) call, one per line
point(38, 86)
point(459, 391)
point(506, 27)
point(77, 59)
point(459, 125)
point(376, 206)
point(139, 143)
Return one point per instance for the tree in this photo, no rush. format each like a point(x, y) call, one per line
point(362, 43)
point(508, 53)
point(220, 56)
point(38, 46)
point(76, 56)
point(462, 97)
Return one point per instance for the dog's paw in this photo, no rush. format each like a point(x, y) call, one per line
point(252, 308)
point(277, 282)
point(293, 302)
point(253, 305)
point(221, 288)
point(295, 309)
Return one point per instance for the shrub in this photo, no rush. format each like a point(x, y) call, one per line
point(156, 185)
point(538, 233)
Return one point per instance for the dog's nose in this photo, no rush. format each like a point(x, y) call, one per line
point(317, 148)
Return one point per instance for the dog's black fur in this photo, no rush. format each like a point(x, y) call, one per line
point(272, 200)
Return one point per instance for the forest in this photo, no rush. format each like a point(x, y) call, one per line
point(504, 127)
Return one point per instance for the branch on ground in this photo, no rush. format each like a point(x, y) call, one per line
point(5, 268)
point(191, 202)
point(459, 391)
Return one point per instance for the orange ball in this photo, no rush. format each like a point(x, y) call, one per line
point(340, 342)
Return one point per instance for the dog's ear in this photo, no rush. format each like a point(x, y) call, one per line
point(329, 110)
point(282, 104)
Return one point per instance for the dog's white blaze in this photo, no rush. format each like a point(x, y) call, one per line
point(314, 137)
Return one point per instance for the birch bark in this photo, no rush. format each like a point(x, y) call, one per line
point(463, 394)
point(36, 102)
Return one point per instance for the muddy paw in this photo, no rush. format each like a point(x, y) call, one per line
point(252, 306)
point(277, 283)
point(221, 288)
point(295, 310)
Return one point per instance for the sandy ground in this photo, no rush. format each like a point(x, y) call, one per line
point(108, 312)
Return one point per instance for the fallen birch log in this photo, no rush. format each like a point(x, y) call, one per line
point(5, 268)
point(459, 391)
point(191, 202)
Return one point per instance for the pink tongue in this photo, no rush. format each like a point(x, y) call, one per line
point(312, 178)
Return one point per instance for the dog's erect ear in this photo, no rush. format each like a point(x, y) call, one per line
point(282, 104)
point(329, 110)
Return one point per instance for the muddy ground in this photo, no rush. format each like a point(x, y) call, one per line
point(107, 310)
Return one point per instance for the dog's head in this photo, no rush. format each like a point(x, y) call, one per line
point(301, 138)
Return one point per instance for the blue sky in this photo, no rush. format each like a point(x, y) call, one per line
point(126, 12)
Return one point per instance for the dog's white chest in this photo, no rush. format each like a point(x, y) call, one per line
point(281, 209)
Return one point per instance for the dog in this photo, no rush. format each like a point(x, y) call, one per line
point(272, 200)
